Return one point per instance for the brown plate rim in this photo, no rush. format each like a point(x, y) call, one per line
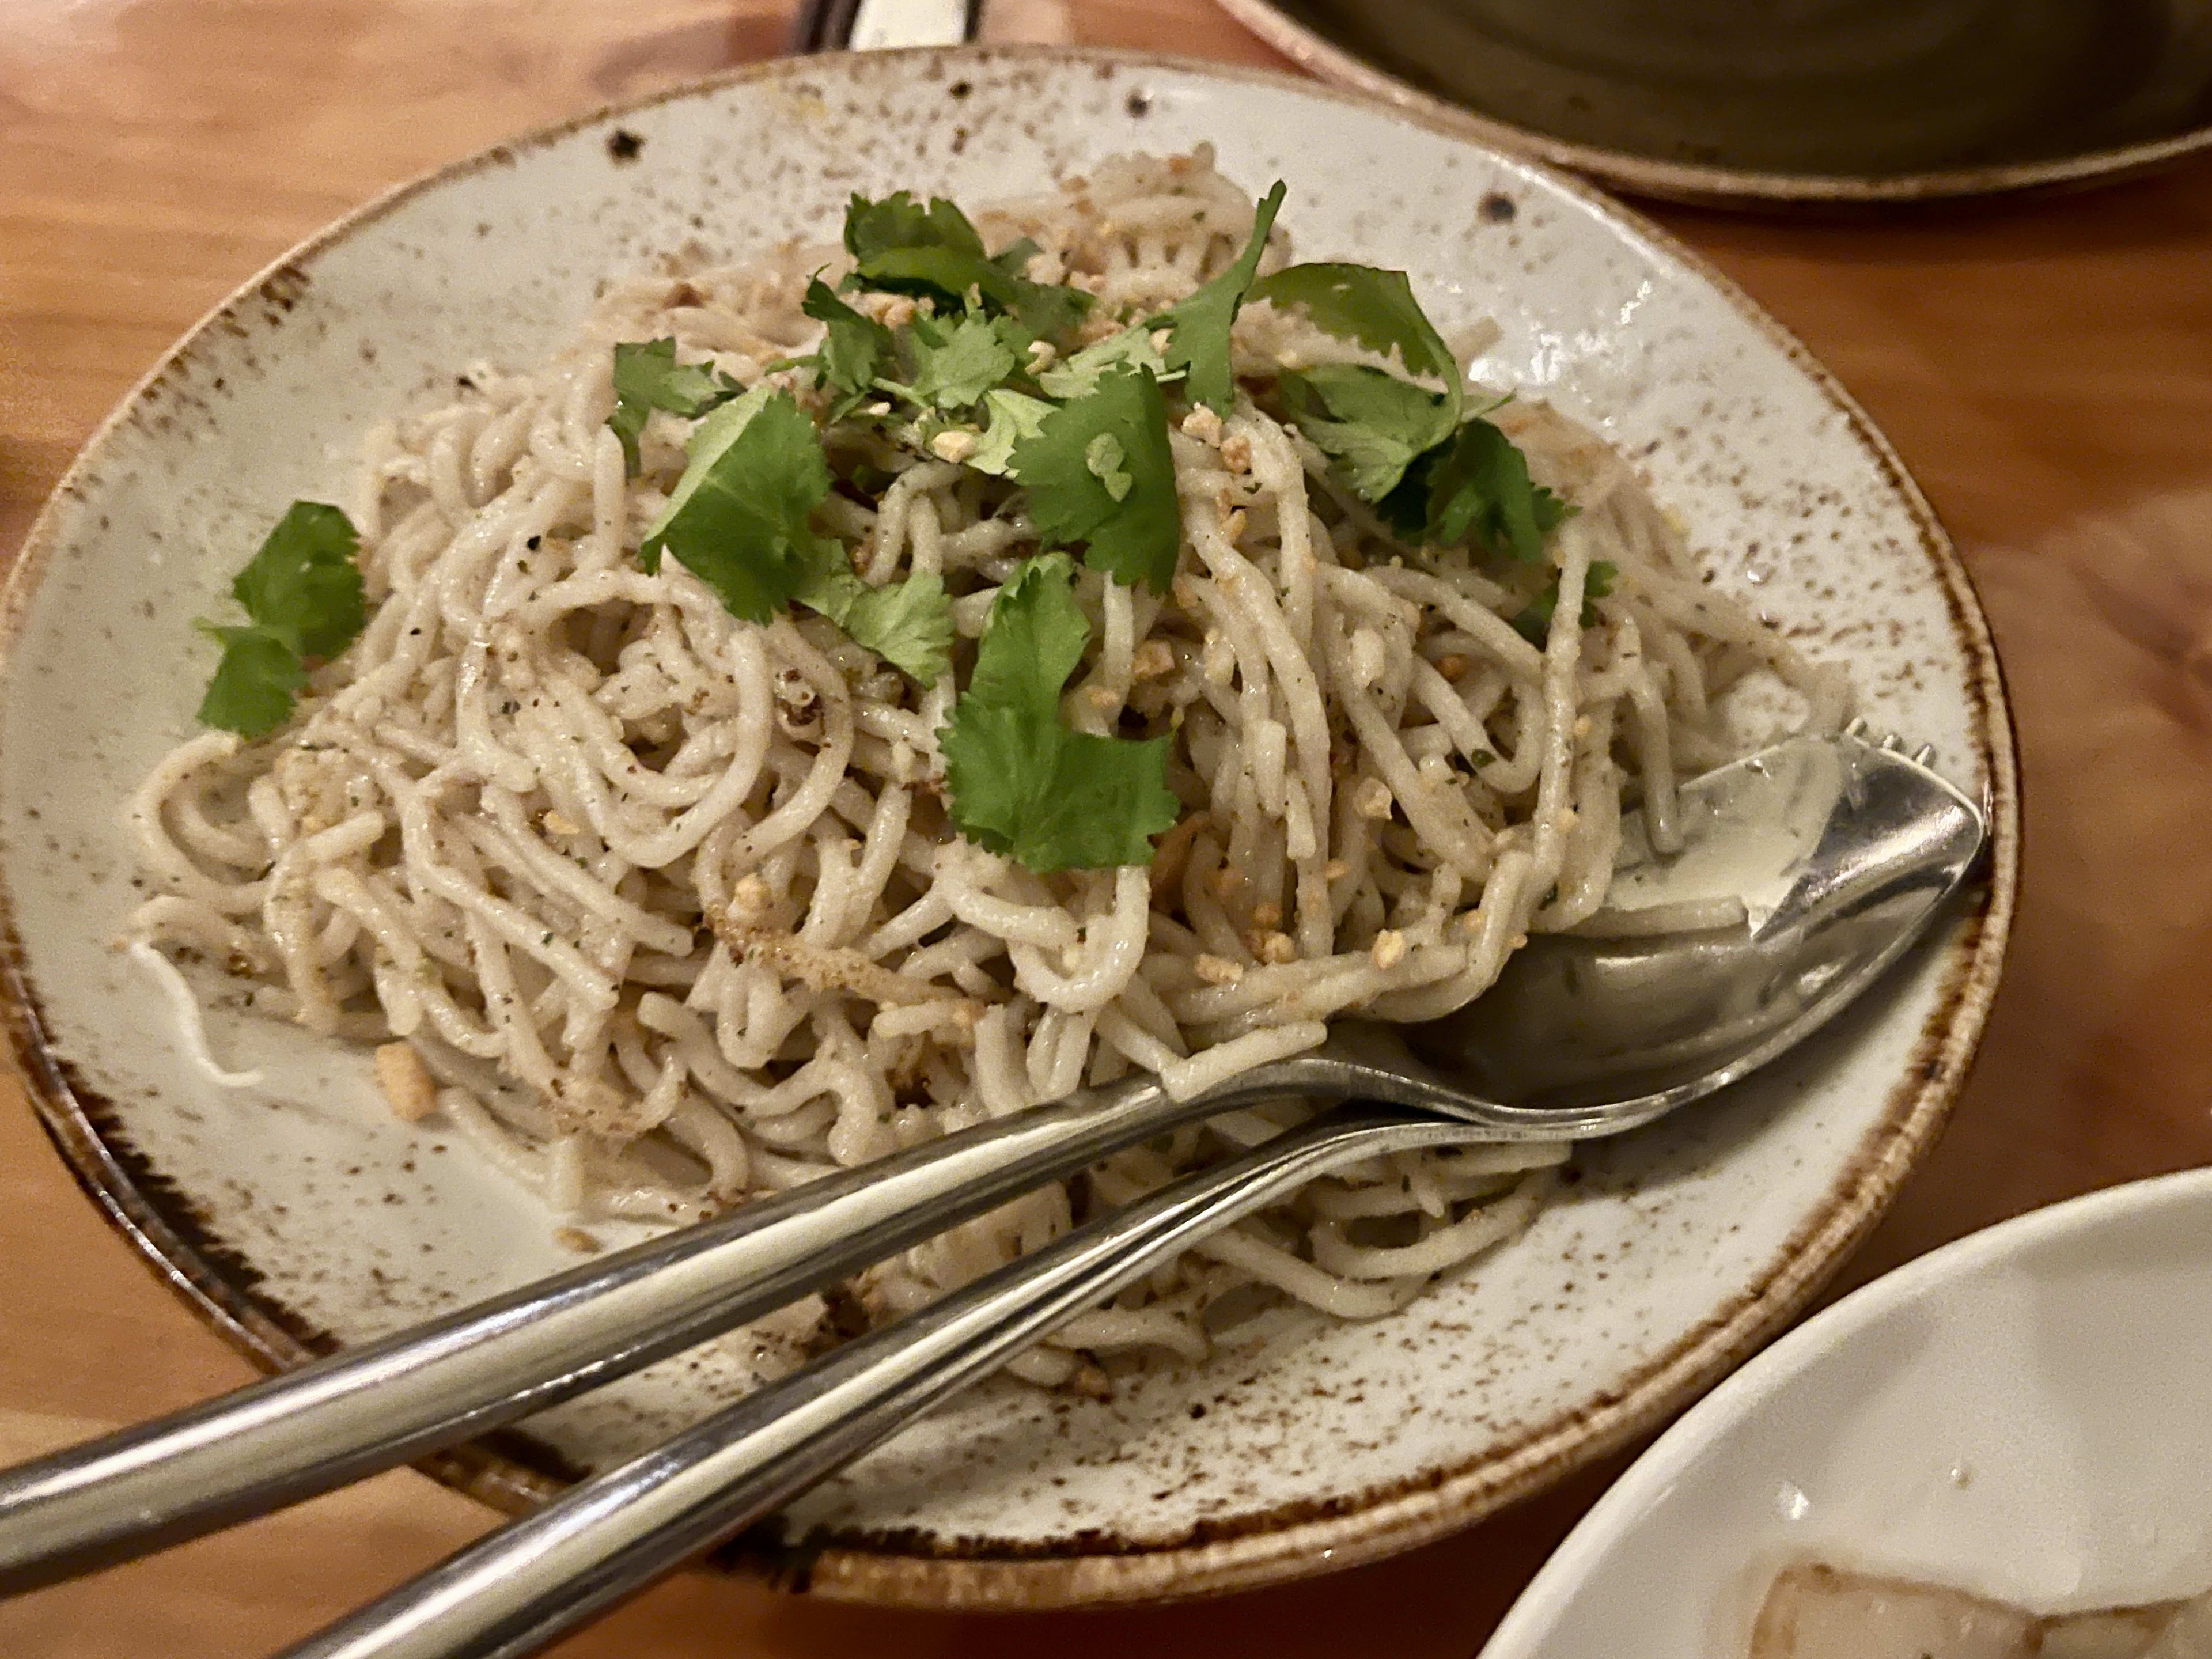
point(511, 1474)
point(1746, 188)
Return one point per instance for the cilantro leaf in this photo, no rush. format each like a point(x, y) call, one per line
point(955, 366)
point(648, 377)
point(874, 228)
point(1052, 799)
point(853, 347)
point(1049, 311)
point(1078, 376)
point(907, 623)
point(1375, 307)
point(303, 586)
point(1134, 530)
point(1013, 417)
point(827, 582)
point(1438, 478)
point(255, 683)
point(1018, 781)
point(707, 441)
point(948, 275)
point(738, 519)
point(902, 247)
point(1533, 623)
point(1372, 424)
point(1479, 491)
point(1033, 641)
point(302, 590)
point(951, 277)
point(1198, 325)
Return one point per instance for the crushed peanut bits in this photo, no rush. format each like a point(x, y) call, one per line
point(406, 1082)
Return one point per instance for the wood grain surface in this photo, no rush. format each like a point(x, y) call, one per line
point(2045, 368)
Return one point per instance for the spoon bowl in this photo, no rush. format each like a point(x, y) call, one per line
point(1794, 876)
point(1812, 864)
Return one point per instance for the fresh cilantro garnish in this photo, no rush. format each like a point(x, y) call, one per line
point(853, 347)
point(1534, 625)
point(901, 246)
point(1047, 310)
point(955, 363)
point(1022, 784)
point(255, 683)
point(648, 377)
point(1078, 376)
point(1439, 479)
point(303, 590)
point(738, 519)
point(1375, 307)
point(1013, 417)
point(1198, 326)
point(908, 624)
point(875, 228)
point(1119, 496)
point(1478, 490)
point(1372, 424)
point(304, 586)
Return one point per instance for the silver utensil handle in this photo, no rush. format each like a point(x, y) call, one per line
point(527, 1584)
point(870, 25)
point(370, 1407)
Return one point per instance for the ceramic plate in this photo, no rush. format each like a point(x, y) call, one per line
point(2025, 1414)
point(304, 1214)
point(1739, 103)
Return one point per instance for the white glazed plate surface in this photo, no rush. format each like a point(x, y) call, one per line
point(2025, 1414)
point(304, 1213)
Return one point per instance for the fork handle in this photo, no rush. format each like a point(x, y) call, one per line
point(386, 1402)
point(530, 1582)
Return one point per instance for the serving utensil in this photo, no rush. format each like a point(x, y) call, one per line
point(1838, 852)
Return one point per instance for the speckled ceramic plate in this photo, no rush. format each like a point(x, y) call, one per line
point(1743, 103)
point(304, 1214)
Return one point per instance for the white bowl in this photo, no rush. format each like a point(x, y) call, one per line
point(2025, 1414)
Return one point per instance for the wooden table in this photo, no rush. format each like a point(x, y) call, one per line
point(2045, 368)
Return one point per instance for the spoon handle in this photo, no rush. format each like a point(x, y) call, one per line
point(525, 1585)
point(386, 1402)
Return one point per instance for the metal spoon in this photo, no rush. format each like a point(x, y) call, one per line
point(1838, 850)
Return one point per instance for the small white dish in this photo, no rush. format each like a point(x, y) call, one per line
point(2026, 1415)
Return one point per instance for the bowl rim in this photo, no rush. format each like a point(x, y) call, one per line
point(1745, 189)
point(1769, 1376)
point(514, 1475)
